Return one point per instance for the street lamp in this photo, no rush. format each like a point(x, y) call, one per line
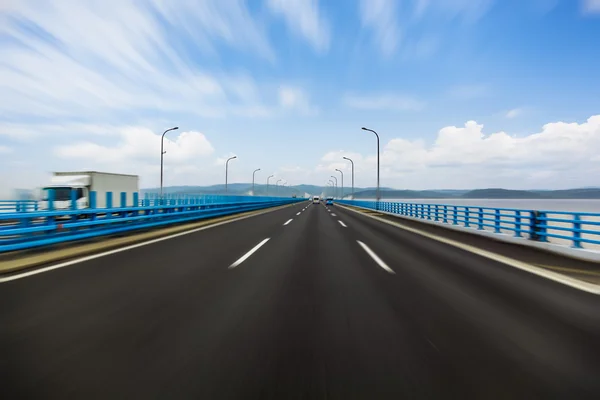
point(227, 170)
point(277, 187)
point(332, 186)
point(340, 171)
point(162, 152)
point(371, 130)
point(258, 169)
point(346, 158)
point(336, 186)
point(271, 176)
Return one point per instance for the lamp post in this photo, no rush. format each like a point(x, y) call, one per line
point(340, 171)
point(162, 153)
point(277, 187)
point(336, 186)
point(258, 169)
point(332, 186)
point(227, 170)
point(346, 158)
point(371, 130)
point(270, 176)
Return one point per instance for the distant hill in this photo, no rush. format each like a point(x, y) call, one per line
point(386, 193)
point(502, 194)
point(401, 194)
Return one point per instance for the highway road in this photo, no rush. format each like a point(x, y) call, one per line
point(303, 302)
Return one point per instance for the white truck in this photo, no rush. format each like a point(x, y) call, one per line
point(85, 182)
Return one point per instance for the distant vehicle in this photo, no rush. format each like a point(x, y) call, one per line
point(62, 183)
point(329, 201)
point(293, 196)
point(316, 200)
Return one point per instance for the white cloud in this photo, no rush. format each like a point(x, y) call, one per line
point(303, 18)
point(137, 150)
point(294, 98)
point(591, 6)
point(466, 157)
point(514, 113)
point(380, 16)
point(384, 101)
point(5, 150)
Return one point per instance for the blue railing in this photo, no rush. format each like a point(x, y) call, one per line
point(24, 230)
point(574, 228)
point(18, 206)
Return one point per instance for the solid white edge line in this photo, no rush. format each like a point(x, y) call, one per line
point(120, 249)
point(248, 254)
point(511, 262)
point(288, 221)
point(342, 224)
point(375, 257)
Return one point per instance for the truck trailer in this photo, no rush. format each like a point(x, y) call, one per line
point(62, 183)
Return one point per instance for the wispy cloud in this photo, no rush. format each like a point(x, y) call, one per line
point(514, 113)
point(294, 98)
point(415, 26)
point(591, 6)
point(303, 18)
point(468, 10)
point(468, 92)
point(391, 102)
point(380, 17)
point(66, 59)
point(5, 150)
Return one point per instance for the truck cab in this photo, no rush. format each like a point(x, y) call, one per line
point(62, 186)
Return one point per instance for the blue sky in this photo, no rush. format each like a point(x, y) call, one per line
point(464, 93)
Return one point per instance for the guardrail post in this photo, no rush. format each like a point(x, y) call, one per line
point(517, 223)
point(93, 203)
point(497, 221)
point(109, 203)
point(73, 199)
point(51, 196)
point(577, 231)
point(445, 214)
point(123, 204)
point(538, 226)
point(467, 218)
point(73, 204)
point(480, 219)
point(455, 215)
point(436, 213)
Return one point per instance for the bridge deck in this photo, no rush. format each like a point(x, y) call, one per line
point(333, 305)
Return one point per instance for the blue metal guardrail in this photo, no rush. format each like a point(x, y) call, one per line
point(542, 226)
point(24, 230)
point(18, 205)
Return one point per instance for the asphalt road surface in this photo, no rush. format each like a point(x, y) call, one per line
point(300, 303)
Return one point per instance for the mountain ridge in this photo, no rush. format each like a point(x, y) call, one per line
point(386, 193)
